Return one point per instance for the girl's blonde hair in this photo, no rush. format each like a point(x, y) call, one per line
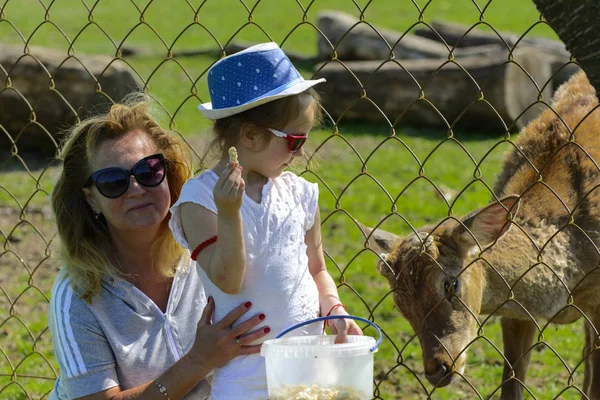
point(85, 242)
point(275, 114)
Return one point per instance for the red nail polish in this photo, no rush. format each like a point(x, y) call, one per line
point(247, 304)
point(267, 330)
point(262, 316)
point(210, 298)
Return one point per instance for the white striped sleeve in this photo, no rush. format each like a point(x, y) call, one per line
point(84, 355)
point(67, 351)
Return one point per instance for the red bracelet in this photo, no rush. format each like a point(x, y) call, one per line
point(332, 308)
point(329, 313)
point(202, 245)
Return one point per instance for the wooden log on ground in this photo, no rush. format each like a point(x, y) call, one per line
point(46, 91)
point(355, 40)
point(446, 90)
point(237, 46)
point(463, 37)
point(455, 35)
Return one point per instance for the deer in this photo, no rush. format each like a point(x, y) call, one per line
point(530, 256)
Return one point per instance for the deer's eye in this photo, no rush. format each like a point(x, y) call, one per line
point(451, 286)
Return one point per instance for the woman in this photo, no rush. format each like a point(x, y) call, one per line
point(126, 310)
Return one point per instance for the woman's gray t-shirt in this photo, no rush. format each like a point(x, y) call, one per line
point(122, 338)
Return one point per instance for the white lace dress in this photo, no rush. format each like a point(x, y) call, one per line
point(277, 280)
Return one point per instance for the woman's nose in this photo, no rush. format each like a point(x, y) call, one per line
point(135, 188)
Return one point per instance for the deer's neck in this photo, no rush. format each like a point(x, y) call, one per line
point(535, 269)
point(505, 269)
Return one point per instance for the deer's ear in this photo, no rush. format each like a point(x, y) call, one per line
point(379, 240)
point(488, 224)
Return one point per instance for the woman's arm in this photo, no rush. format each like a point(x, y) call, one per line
point(328, 294)
point(225, 261)
point(178, 381)
point(214, 346)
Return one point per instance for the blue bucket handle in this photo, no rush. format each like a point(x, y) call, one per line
point(310, 321)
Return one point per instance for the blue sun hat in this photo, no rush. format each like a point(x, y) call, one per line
point(252, 77)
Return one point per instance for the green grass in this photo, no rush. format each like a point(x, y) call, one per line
point(351, 187)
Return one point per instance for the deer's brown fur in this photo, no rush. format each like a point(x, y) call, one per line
point(447, 274)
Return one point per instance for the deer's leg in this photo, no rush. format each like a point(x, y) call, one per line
point(518, 336)
point(591, 383)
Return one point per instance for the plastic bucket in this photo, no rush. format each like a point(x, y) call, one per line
point(313, 367)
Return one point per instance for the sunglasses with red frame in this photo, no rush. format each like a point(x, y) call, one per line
point(295, 142)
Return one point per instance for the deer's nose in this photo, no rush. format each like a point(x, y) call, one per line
point(440, 376)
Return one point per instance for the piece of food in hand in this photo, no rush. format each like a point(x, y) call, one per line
point(233, 156)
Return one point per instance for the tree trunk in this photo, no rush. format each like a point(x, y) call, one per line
point(577, 24)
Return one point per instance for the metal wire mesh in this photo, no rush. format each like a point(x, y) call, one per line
point(383, 172)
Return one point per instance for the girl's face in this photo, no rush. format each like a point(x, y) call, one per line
point(276, 157)
point(140, 210)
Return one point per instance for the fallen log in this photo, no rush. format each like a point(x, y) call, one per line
point(237, 46)
point(350, 39)
point(462, 37)
point(449, 98)
point(45, 91)
point(459, 35)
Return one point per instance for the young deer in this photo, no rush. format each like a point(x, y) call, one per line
point(530, 257)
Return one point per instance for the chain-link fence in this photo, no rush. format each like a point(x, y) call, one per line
point(422, 100)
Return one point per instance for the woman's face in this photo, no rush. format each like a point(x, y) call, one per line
point(140, 210)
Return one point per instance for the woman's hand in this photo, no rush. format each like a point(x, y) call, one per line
point(342, 327)
point(229, 189)
point(217, 344)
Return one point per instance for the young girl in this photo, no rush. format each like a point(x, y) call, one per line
point(255, 229)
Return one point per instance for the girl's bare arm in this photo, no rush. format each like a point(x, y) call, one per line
point(225, 260)
point(328, 293)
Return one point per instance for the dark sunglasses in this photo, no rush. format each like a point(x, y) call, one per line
point(113, 182)
point(295, 142)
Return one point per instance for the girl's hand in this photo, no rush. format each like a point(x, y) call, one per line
point(229, 189)
point(217, 344)
point(342, 327)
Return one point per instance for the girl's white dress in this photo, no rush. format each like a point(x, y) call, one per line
point(277, 280)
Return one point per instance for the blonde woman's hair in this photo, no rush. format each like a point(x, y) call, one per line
point(85, 242)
